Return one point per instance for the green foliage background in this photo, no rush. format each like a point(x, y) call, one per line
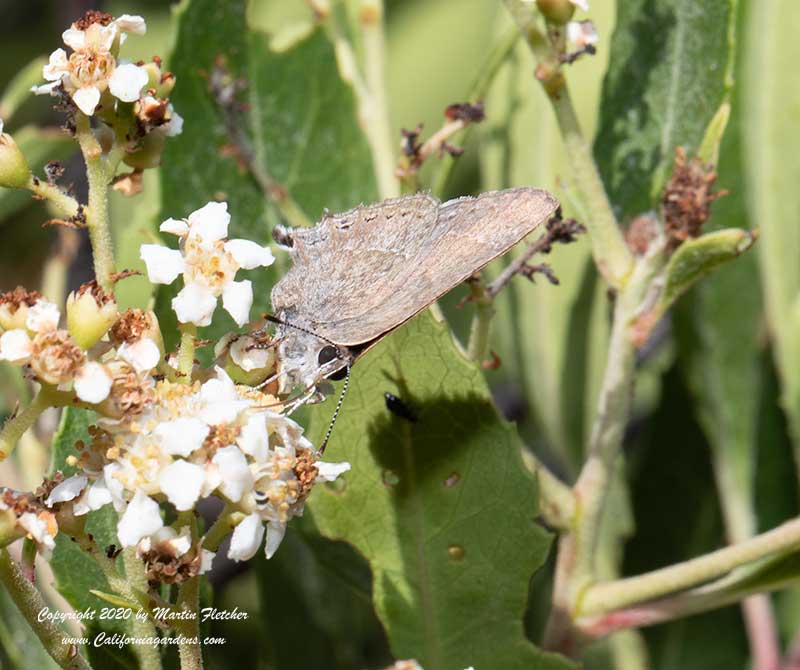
point(448, 573)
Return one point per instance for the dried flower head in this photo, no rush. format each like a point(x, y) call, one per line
point(687, 198)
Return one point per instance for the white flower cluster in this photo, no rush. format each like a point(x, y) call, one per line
point(93, 68)
point(59, 357)
point(191, 441)
point(208, 262)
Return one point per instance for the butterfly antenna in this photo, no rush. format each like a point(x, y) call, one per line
point(336, 411)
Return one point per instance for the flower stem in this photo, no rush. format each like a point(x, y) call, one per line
point(186, 351)
point(148, 655)
point(15, 426)
point(30, 602)
point(225, 523)
point(611, 254)
point(98, 175)
point(478, 346)
point(557, 503)
point(64, 204)
point(370, 92)
point(608, 597)
point(191, 653)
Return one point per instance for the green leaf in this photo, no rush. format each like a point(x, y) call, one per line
point(77, 574)
point(770, 103)
point(327, 586)
point(301, 122)
point(667, 77)
point(39, 146)
point(19, 88)
point(442, 508)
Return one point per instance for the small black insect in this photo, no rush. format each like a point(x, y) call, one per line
point(396, 406)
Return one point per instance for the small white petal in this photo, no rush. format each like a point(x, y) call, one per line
point(182, 541)
point(38, 529)
point(143, 355)
point(246, 538)
point(46, 89)
point(330, 471)
point(42, 316)
point(275, 533)
point(131, 24)
point(141, 518)
point(582, 33)
point(87, 98)
point(174, 126)
point(236, 476)
point(177, 227)
point(56, 67)
point(210, 222)
point(206, 561)
point(222, 344)
point(96, 496)
point(221, 402)
point(249, 254)
point(67, 490)
point(182, 482)
point(163, 264)
point(127, 81)
point(237, 299)
point(15, 346)
point(248, 356)
point(194, 304)
point(75, 39)
point(115, 488)
point(92, 383)
point(181, 436)
point(254, 439)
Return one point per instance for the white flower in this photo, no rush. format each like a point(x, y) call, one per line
point(92, 382)
point(182, 482)
point(221, 402)
point(42, 316)
point(142, 517)
point(142, 355)
point(208, 263)
point(171, 540)
point(42, 528)
point(92, 68)
point(245, 352)
point(67, 490)
point(246, 538)
point(182, 436)
point(15, 346)
point(582, 34)
point(234, 472)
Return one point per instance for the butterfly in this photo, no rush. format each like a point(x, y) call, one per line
point(359, 275)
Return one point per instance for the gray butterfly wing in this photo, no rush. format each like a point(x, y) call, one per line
point(358, 275)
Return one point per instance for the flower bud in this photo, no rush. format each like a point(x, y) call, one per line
point(90, 313)
point(14, 170)
point(134, 325)
point(556, 11)
point(14, 307)
point(246, 360)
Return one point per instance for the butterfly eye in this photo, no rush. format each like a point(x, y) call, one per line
point(327, 354)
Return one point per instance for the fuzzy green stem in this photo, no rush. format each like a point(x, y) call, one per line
point(478, 346)
point(191, 653)
point(148, 655)
point(371, 18)
point(611, 254)
point(30, 602)
point(186, 351)
point(370, 94)
point(608, 597)
point(556, 501)
point(99, 177)
point(65, 205)
point(15, 426)
point(225, 523)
